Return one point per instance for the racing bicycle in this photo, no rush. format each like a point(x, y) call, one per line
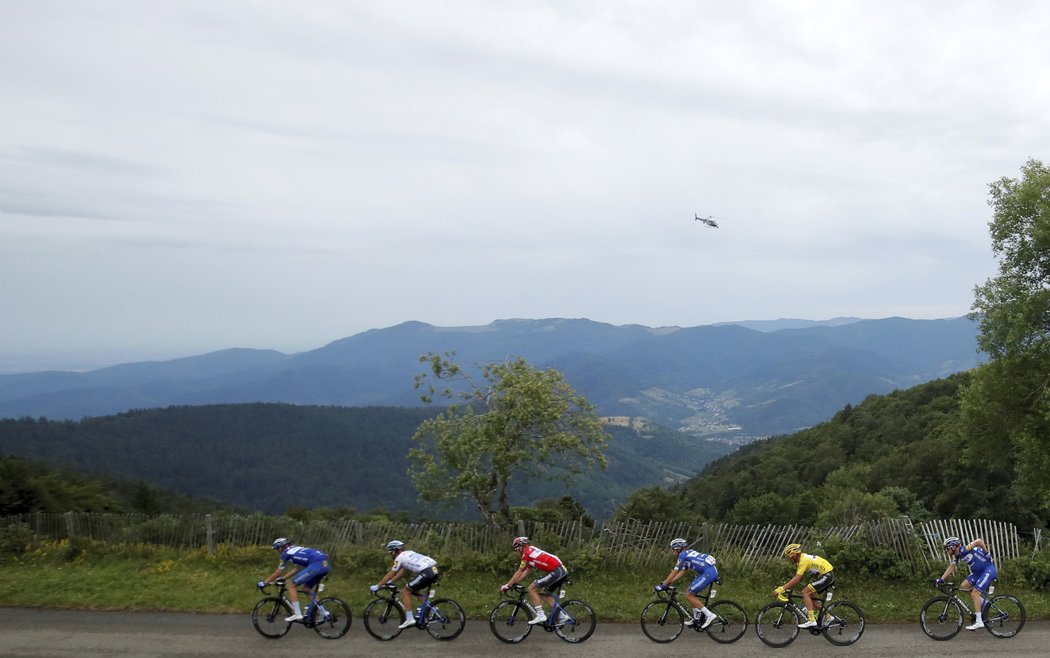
point(841, 622)
point(572, 620)
point(663, 620)
point(442, 618)
point(330, 617)
point(942, 616)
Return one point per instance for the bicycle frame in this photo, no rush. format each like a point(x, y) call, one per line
point(556, 609)
point(389, 593)
point(282, 593)
point(672, 594)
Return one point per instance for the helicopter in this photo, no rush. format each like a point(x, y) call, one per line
point(709, 220)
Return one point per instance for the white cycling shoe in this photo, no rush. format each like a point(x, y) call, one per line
point(808, 624)
point(538, 619)
point(294, 618)
point(408, 623)
point(975, 626)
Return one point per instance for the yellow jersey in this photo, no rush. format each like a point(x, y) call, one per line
point(814, 564)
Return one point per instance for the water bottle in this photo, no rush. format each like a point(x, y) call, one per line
point(419, 612)
point(991, 590)
point(431, 593)
point(320, 588)
point(561, 594)
point(829, 595)
point(713, 592)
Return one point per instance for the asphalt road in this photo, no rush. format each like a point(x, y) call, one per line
point(62, 633)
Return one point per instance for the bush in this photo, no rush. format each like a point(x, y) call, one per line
point(15, 539)
point(860, 557)
point(1034, 570)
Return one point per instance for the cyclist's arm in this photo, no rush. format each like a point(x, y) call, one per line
point(949, 571)
point(518, 575)
point(673, 577)
point(979, 543)
point(391, 576)
point(272, 577)
point(794, 581)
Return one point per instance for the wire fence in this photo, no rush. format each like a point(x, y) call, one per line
point(630, 542)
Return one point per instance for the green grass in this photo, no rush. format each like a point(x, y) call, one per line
point(97, 577)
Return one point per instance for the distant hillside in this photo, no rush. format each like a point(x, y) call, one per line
point(269, 457)
point(729, 381)
point(892, 454)
point(28, 486)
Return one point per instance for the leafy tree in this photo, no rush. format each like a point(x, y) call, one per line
point(1006, 409)
point(513, 421)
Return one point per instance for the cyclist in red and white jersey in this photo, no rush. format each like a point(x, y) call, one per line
point(554, 573)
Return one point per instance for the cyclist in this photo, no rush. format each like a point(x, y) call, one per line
point(554, 574)
point(425, 572)
point(815, 565)
point(706, 573)
point(982, 571)
point(306, 569)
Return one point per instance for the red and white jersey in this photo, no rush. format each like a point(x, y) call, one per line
point(535, 558)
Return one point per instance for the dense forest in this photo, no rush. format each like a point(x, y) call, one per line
point(30, 486)
point(272, 457)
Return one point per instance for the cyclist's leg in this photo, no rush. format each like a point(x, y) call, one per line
point(702, 580)
point(813, 590)
point(979, 591)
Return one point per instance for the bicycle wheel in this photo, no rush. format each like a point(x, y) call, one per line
point(777, 624)
point(575, 622)
point(268, 617)
point(843, 623)
point(336, 622)
point(383, 618)
point(445, 619)
point(509, 621)
point(662, 622)
point(1004, 616)
point(941, 618)
point(731, 623)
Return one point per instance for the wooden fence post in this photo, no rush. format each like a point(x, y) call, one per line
point(210, 534)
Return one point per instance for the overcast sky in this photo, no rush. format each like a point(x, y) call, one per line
point(181, 177)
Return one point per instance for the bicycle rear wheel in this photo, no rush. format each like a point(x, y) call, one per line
point(383, 618)
point(1004, 616)
point(941, 618)
point(509, 621)
point(662, 622)
point(336, 622)
point(575, 622)
point(445, 619)
point(731, 623)
point(268, 617)
point(843, 623)
point(777, 624)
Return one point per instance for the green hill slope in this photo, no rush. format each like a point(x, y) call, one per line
point(890, 455)
point(269, 457)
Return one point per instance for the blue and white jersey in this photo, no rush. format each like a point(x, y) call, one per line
point(695, 560)
point(974, 557)
point(302, 555)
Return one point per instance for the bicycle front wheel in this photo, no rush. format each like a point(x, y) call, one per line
point(445, 619)
point(843, 623)
point(777, 624)
point(334, 622)
point(941, 618)
point(662, 622)
point(268, 617)
point(1004, 616)
point(509, 621)
point(730, 623)
point(575, 622)
point(383, 618)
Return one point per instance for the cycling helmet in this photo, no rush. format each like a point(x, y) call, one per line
point(678, 544)
point(519, 542)
point(395, 545)
point(791, 550)
point(952, 541)
point(280, 542)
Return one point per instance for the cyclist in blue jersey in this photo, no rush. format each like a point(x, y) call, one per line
point(982, 571)
point(706, 573)
point(307, 566)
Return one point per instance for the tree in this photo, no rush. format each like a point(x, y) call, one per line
point(515, 421)
point(1006, 407)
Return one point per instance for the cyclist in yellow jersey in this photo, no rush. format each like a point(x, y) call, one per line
point(812, 564)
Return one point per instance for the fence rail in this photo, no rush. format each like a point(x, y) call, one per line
point(630, 542)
